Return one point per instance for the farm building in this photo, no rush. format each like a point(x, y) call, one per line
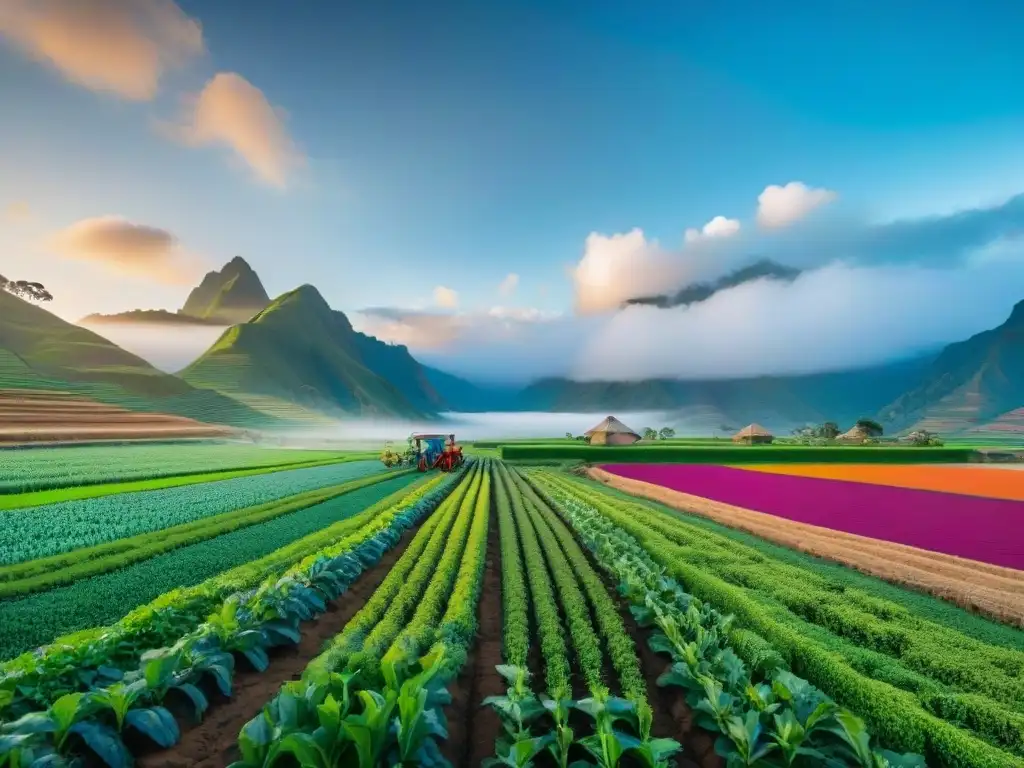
point(753, 434)
point(855, 434)
point(611, 431)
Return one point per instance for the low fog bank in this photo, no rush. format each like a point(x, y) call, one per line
point(468, 427)
point(164, 346)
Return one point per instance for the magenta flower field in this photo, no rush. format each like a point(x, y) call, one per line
point(989, 530)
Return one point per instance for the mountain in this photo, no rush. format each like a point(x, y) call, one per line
point(232, 295)
point(970, 384)
point(698, 292)
point(40, 351)
point(300, 352)
point(779, 402)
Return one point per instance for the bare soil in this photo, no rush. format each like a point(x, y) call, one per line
point(58, 417)
point(213, 742)
point(472, 729)
point(991, 590)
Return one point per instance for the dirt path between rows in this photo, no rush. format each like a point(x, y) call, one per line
point(472, 729)
point(213, 742)
point(991, 590)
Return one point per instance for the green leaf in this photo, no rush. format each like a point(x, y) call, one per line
point(305, 749)
point(157, 723)
point(105, 743)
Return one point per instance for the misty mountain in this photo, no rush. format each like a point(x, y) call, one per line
point(299, 350)
point(970, 384)
point(230, 295)
point(41, 351)
point(778, 402)
point(698, 292)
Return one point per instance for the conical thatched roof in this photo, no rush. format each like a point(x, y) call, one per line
point(611, 425)
point(752, 430)
point(855, 433)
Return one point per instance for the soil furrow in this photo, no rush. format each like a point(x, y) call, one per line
point(472, 729)
point(213, 742)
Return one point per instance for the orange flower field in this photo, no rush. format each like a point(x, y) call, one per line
point(986, 481)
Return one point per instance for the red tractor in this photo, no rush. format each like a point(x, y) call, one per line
point(437, 452)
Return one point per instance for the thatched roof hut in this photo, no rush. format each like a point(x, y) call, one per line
point(855, 434)
point(753, 434)
point(611, 431)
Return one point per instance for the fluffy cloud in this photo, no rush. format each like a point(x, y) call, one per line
point(117, 46)
point(781, 206)
point(127, 248)
point(867, 294)
point(717, 227)
point(509, 284)
point(230, 111)
point(446, 297)
point(832, 318)
point(619, 267)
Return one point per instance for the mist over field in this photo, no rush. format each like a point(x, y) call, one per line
point(468, 427)
point(167, 347)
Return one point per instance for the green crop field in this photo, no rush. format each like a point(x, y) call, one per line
point(328, 612)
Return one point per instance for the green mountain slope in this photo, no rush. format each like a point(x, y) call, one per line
point(299, 351)
point(232, 295)
point(39, 350)
point(970, 383)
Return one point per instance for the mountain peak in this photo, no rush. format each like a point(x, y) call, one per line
point(236, 265)
point(1016, 318)
point(232, 295)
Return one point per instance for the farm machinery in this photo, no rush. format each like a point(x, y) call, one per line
point(435, 452)
point(425, 452)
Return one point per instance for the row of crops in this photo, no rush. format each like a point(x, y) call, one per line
point(919, 685)
point(51, 529)
point(97, 694)
point(345, 625)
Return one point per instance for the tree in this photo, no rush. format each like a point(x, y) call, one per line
point(667, 433)
point(568, 435)
point(922, 438)
point(829, 430)
point(872, 427)
point(650, 434)
point(25, 290)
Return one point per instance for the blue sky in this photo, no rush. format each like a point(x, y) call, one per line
point(453, 143)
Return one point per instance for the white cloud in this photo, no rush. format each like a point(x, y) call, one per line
point(127, 248)
point(832, 318)
point(117, 46)
point(781, 206)
point(619, 267)
point(232, 112)
point(509, 284)
point(446, 297)
point(719, 226)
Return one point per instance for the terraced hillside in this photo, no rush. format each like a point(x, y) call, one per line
point(40, 351)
